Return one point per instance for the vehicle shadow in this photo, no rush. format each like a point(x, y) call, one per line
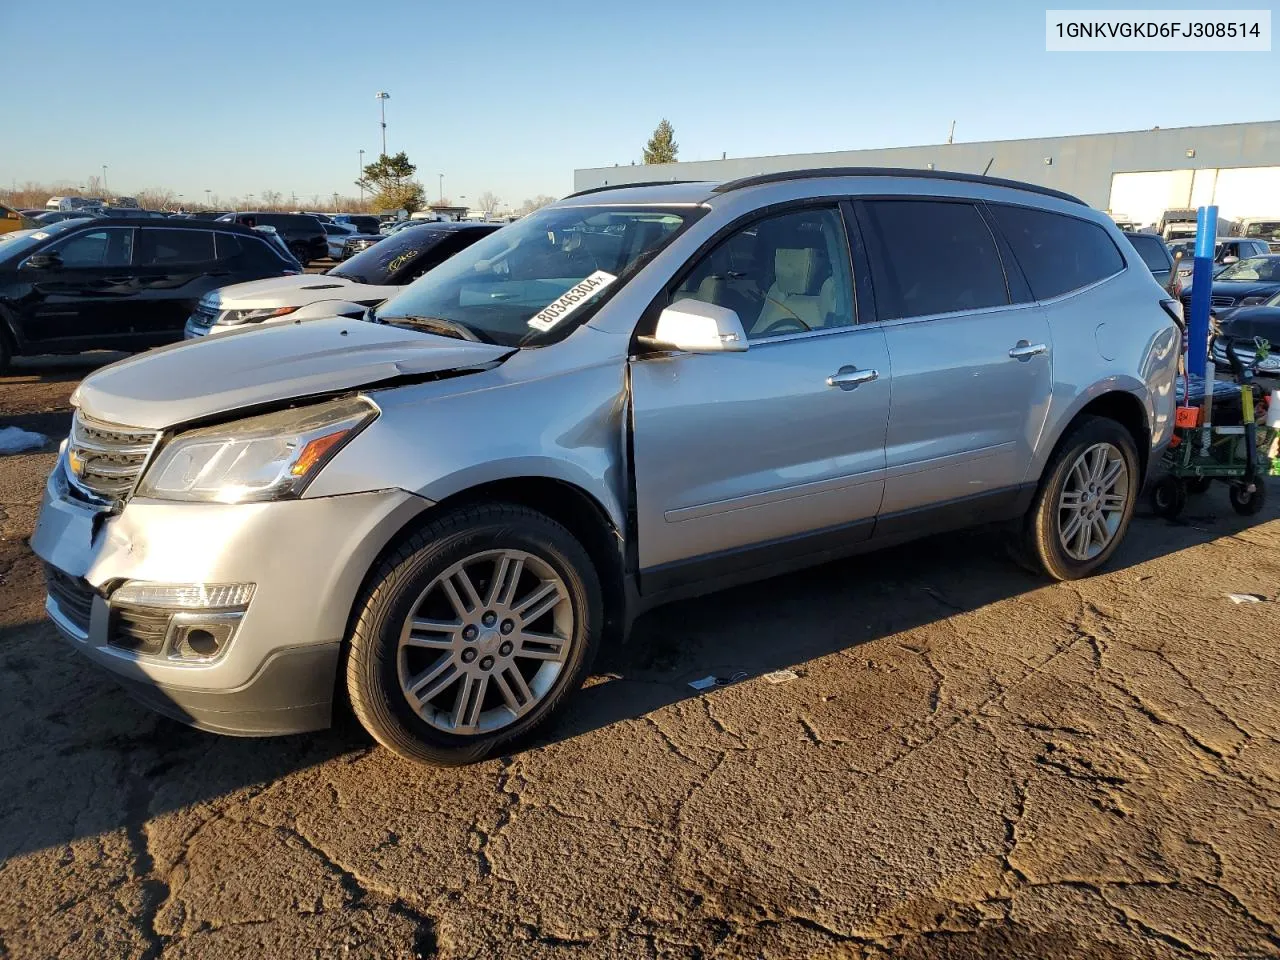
point(83, 758)
point(789, 620)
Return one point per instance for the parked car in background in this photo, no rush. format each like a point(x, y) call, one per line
point(1245, 283)
point(1155, 254)
point(302, 233)
point(632, 395)
point(130, 213)
point(336, 235)
point(358, 243)
point(1226, 251)
point(57, 216)
point(11, 219)
point(96, 284)
point(363, 222)
point(365, 279)
point(1239, 331)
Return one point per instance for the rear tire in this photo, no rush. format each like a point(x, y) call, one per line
point(300, 254)
point(451, 641)
point(1085, 502)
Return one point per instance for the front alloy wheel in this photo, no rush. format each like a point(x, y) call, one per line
point(472, 632)
point(486, 641)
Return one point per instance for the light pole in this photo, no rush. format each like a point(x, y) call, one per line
point(360, 180)
point(104, 178)
point(207, 201)
point(441, 200)
point(382, 98)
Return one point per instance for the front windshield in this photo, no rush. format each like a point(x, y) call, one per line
point(1265, 229)
point(536, 279)
point(21, 242)
point(376, 264)
point(1254, 268)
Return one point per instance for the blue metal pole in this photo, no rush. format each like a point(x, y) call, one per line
point(1201, 290)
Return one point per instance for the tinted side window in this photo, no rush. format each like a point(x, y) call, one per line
point(930, 256)
point(1057, 253)
point(228, 246)
point(1153, 252)
point(172, 247)
point(97, 248)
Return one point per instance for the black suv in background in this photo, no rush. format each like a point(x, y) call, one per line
point(363, 222)
point(301, 232)
point(120, 284)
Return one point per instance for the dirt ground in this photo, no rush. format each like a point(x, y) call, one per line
point(969, 763)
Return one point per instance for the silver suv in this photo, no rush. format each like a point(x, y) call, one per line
point(636, 394)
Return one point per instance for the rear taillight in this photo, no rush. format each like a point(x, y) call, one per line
point(1174, 309)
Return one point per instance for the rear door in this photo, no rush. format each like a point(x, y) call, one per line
point(972, 370)
point(174, 268)
point(746, 460)
point(84, 303)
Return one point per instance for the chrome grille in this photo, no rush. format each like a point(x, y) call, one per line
point(104, 460)
point(73, 596)
point(1222, 301)
point(204, 315)
point(139, 629)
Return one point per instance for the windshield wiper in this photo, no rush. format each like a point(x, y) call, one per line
point(439, 325)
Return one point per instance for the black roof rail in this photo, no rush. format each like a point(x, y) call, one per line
point(624, 186)
point(784, 175)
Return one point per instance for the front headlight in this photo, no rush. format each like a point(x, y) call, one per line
point(234, 317)
point(271, 457)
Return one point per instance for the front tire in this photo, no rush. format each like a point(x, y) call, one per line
point(1085, 502)
point(472, 633)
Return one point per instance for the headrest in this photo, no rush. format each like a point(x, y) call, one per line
point(795, 270)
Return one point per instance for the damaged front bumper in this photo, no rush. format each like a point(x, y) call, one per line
point(270, 667)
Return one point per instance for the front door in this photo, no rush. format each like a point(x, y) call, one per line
point(972, 372)
point(744, 460)
point(83, 302)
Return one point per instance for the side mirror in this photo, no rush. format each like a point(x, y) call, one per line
point(700, 328)
point(44, 261)
point(1230, 259)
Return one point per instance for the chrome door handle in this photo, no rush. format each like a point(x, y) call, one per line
point(1025, 350)
point(847, 378)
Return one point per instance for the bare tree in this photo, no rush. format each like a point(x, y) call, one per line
point(93, 187)
point(487, 202)
point(535, 203)
point(156, 198)
point(272, 199)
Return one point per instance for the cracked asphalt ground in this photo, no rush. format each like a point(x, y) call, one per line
point(970, 763)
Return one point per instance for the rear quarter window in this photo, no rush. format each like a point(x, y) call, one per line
point(1153, 252)
point(1057, 253)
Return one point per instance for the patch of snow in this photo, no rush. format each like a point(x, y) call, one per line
point(16, 440)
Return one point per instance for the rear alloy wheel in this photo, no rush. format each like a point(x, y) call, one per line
point(1085, 502)
point(473, 633)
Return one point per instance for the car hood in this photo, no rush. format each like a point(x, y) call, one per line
point(295, 291)
point(1250, 322)
point(1244, 288)
point(195, 379)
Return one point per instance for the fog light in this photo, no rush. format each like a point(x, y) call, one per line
point(194, 636)
point(184, 596)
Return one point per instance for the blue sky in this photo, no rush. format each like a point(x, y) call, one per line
point(239, 97)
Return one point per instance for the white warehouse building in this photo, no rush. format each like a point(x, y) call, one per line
point(1136, 175)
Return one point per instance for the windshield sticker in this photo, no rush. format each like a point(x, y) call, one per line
point(401, 260)
point(570, 301)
